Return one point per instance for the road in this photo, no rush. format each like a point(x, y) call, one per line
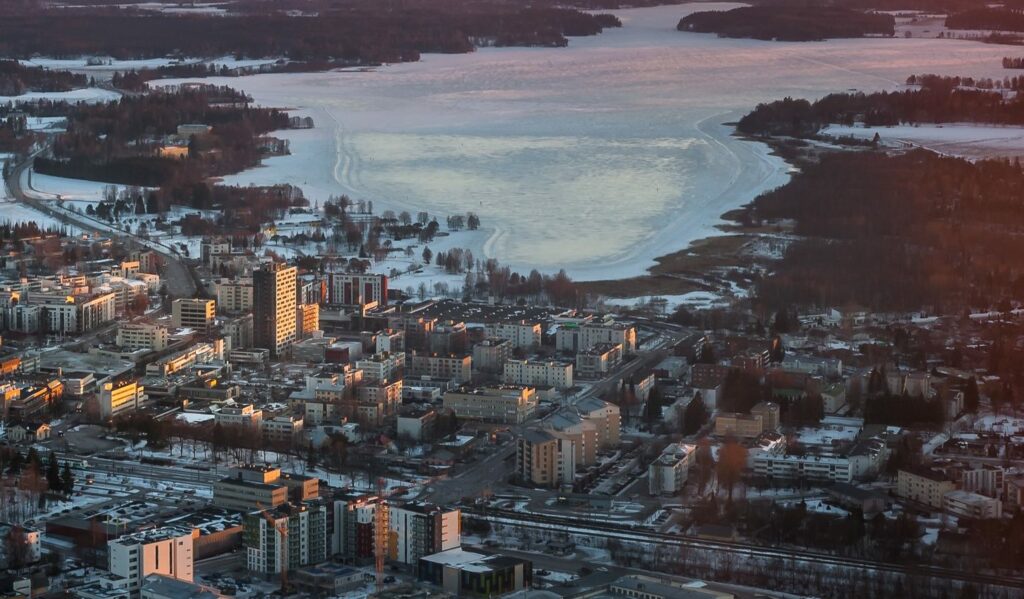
point(492, 471)
point(176, 272)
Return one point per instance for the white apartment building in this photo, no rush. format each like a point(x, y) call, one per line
point(538, 374)
point(142, 335)
point(382, 367)
point(166, 551)
point(667, 474)
point(521, 334)
point(234, 295)
point(924, 485)
point(420, 529)
point(984, 480)
point(574, 339)
point(246, 416)
point(810, 467)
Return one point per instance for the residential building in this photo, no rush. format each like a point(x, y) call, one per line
point(490, 354)
point(284, 537)
point(274, 308)
point(545, 458)
point(382, 367)
point(972, 505)
point(769, 413)
point(256, 487)
point(522, 334)
point(132, 336)
point(420, 529)
point(779, 465)
point(606, 417)
point(166, 551)
point(243, 416)
point(307, 320)
point(598, 360)
point(359, 526)
point(668, 473)
point(116, 398)
point(924, 485)
point(282, 430)
point(538, 374)
point(456, 368)
point(574, 339)
point(197, 314)
point(503, 405)
point(357, 289)
point(743, 426)
point(234, 295)
point(416, 425)
point(986, 480)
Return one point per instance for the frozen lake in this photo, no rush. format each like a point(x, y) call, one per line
point(596, 158)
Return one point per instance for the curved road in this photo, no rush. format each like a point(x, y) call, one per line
point(175, 271)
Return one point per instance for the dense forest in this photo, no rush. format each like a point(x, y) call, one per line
point(995, 19)
point(365, 36)
point(16, 79)
point(789, 23)
point(898, 232)
point(121, 142)
point(938, 100)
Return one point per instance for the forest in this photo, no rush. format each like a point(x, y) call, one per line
point(17, 79)
point(988, 18)
point(937, 100)
point(120, 142)
point(360, 35)
point(898, 232)
point(793, 24)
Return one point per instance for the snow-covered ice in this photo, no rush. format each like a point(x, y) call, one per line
point(85, 94)
point(595, 158)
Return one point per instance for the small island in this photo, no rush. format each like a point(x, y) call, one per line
point(789, 24)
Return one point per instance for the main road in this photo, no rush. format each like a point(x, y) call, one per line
point(176, 272)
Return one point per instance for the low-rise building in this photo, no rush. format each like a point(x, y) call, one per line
point(503, 405)
point(972, 505)
point(461, 572)
point(548, 373)
point(668, 473)
point(598, 360)
point(456, 368)
point(924, 485)
point(132, 336)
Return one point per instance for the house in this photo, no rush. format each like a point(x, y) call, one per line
point(28, 432)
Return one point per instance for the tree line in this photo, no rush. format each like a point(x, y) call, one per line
point(988, 18)
point(16, 79)
point(363, 34)
point(789, 23)
point(938, 100)
point(898, 232)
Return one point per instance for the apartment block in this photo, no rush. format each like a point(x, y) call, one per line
point(420, 529)
point(285, 537)
point(503, 405)
point(166, 551)
point(521, 334)
point(668, 473)
point(197, 314)
point(274, 305)
point(538, 374)
point(924, 485)
point(458, 369)
point(133, 336)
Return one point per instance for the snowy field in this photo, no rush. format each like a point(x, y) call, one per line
point(86, 94)
point(966, 140)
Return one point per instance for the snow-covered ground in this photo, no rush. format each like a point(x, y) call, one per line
point(967, 140)
point(85, 94)
point(595, 158)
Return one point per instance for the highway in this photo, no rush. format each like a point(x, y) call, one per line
point(738, 548)
point(178, 276)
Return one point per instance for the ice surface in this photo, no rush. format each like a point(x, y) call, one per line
point(596, 158)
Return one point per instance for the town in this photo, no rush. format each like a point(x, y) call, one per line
point(308, 429)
